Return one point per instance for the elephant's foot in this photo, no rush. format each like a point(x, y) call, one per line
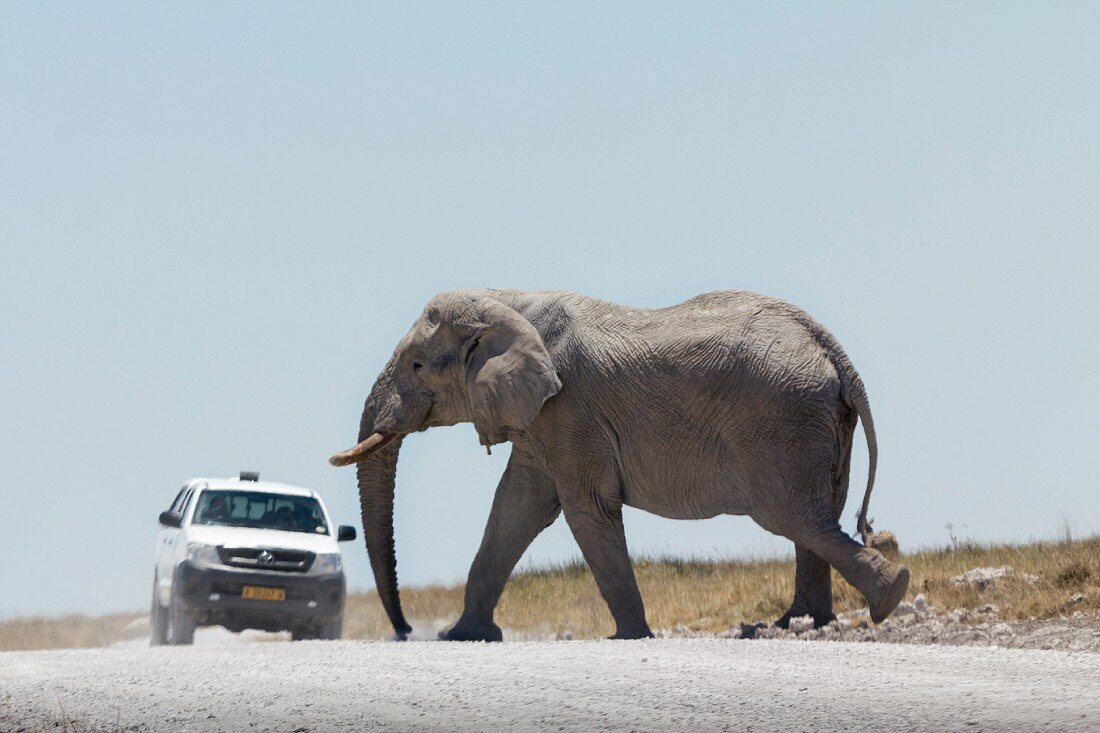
point(889, 590)
point(820, 618)
point(642, 632)
point(470, 631)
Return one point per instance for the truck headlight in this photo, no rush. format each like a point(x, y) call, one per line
point(203, 553)
point(327, 562)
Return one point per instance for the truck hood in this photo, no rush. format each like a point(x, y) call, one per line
point(268, 538)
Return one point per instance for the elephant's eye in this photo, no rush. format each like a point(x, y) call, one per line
point(417, 366)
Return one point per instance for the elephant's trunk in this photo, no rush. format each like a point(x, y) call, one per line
point(376, 479)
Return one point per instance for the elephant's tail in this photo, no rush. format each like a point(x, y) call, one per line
point(858, 396)
point(855, 394)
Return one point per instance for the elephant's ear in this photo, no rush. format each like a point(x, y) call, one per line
point(508, 372)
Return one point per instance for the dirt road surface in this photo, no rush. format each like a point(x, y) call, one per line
point(657, 685)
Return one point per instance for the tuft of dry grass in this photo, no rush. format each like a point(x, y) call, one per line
point(1050, 579)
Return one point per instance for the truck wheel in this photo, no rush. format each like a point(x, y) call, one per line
point(158, 620)
point(333, 629)
point(181, 627)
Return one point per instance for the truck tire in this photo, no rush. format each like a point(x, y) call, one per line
point(181, 627)
point(326, 630)
point(332, 630)
point(158, 620)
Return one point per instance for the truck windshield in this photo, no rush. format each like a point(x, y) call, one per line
point(260, 510)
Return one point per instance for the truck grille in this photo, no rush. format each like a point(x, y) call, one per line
point(257, 558)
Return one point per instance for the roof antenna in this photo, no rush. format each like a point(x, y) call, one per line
point(250, 476)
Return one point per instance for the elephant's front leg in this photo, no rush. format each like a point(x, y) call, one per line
point(526, 503)
point(598, 529)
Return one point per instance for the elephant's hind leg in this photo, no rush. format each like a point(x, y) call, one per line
point(813, 578)
point(813, 589)
point(882, 583)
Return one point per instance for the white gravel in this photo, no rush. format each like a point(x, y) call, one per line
point(656, 685)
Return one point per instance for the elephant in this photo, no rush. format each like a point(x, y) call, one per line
point(731, 402)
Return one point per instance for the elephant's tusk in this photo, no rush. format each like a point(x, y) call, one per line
point(364, 450)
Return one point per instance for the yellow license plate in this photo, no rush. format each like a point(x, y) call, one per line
point(260, 593)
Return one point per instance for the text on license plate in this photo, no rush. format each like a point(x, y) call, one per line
point(260, 593)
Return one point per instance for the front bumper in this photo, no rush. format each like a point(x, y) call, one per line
point(212, 595)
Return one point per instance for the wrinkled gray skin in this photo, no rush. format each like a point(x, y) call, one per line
point(729, 403)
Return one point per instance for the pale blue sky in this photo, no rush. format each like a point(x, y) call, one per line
point(217, 220)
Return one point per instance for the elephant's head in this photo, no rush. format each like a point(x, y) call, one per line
point(468, 358)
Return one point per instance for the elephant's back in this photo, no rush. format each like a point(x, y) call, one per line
point(728, 334)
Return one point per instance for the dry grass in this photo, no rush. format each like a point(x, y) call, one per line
point(75, 631)
point(708, 595)
point(701, 594)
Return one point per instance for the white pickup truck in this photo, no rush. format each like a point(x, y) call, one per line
point(246, 554)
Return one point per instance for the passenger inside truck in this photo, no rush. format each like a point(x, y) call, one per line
point(216, 511)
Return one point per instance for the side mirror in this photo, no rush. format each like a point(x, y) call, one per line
point(345, 533)
point(168, 519)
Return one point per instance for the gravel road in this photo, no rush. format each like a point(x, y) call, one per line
point(657, 685)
